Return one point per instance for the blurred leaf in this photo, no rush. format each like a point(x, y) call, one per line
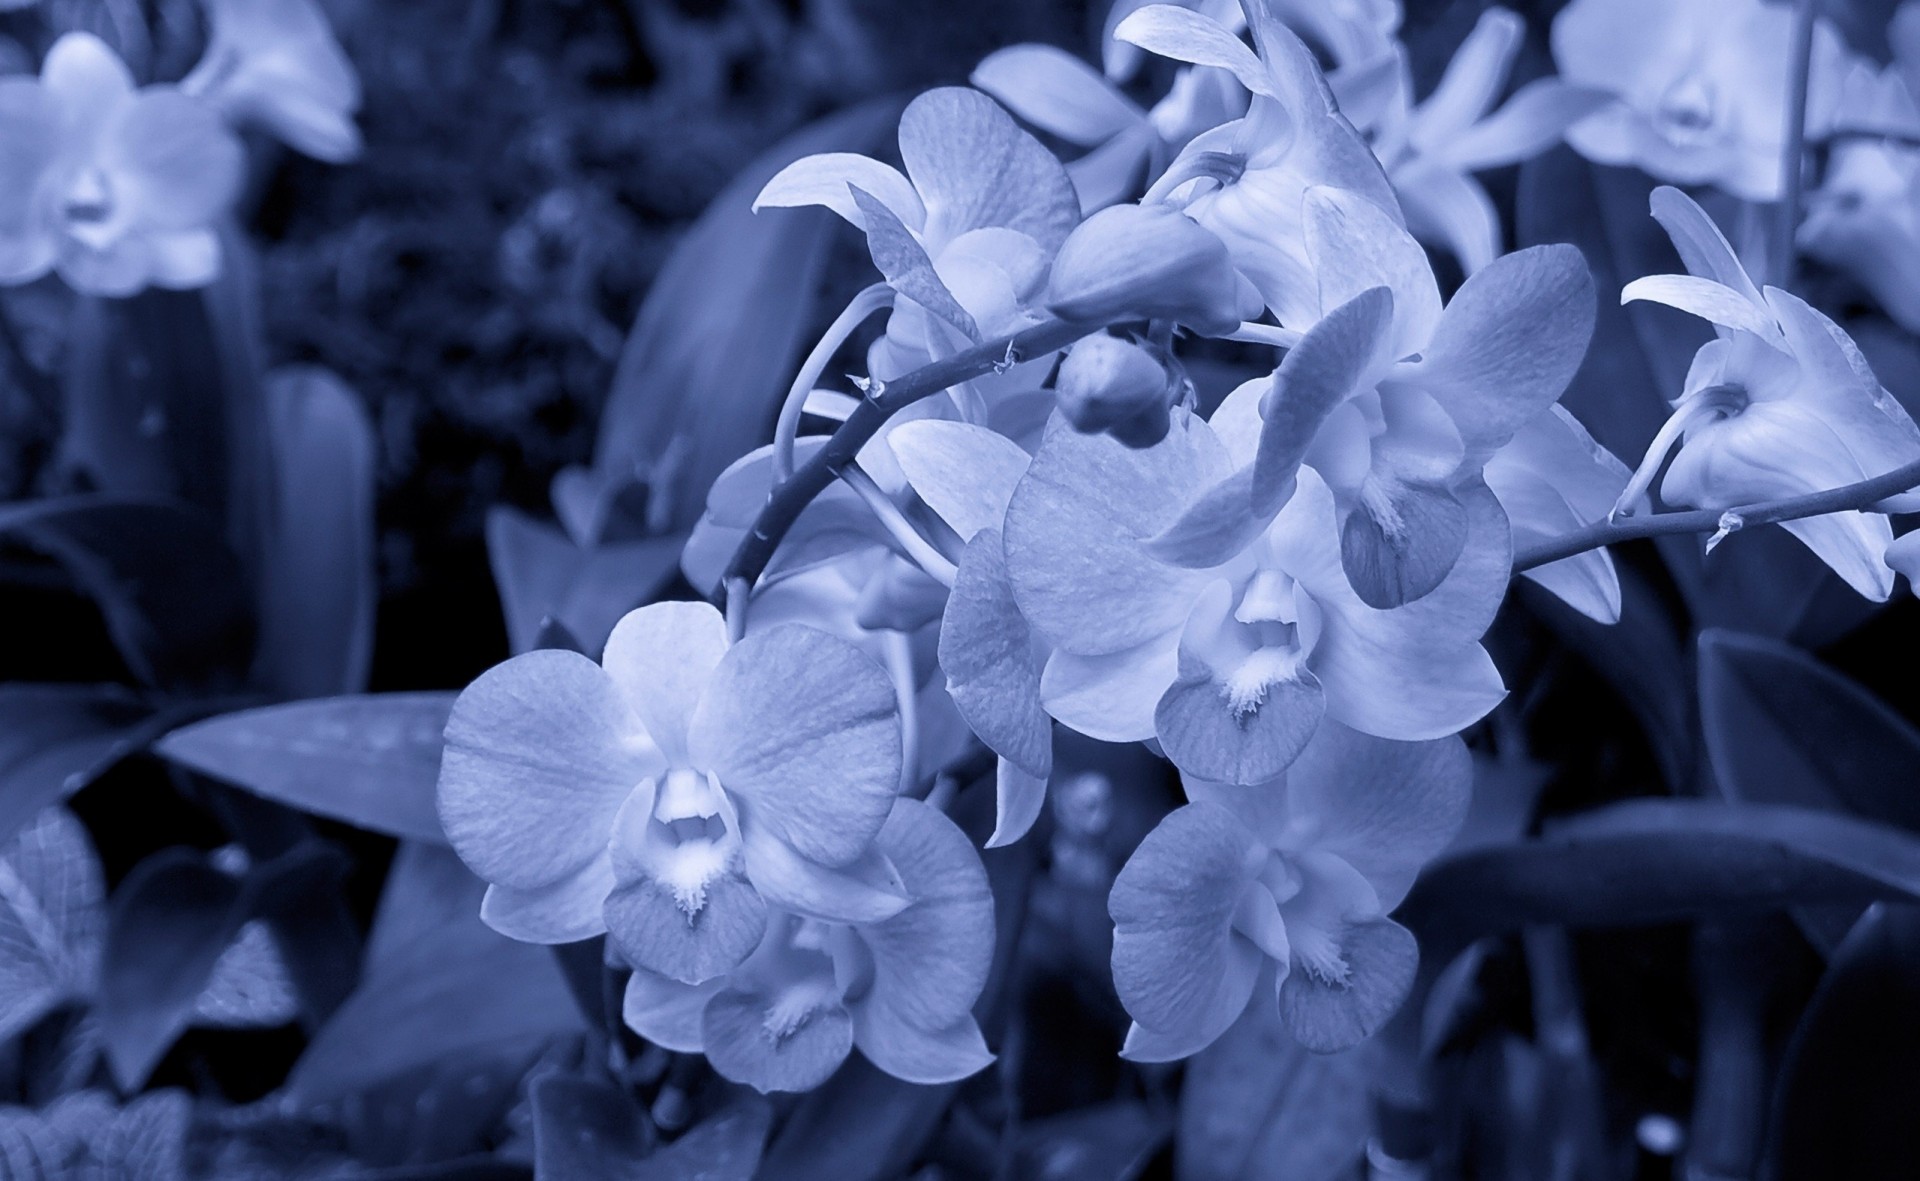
point(1257, 1105)
point(717, 340)
point(170, 920)
point(1844, 1107)
point(543, 574)
point(1655, 861)
point(147, 1139)
point(437, 982)
point(860, 1125)
point(174, 596)
point(723, 1147)
point(52, 912)
point(371, 760)
point(318, 590)
point(1782, 728)
point(56, 739)
point(587, 1127)
point(249, 987)
point(1107, 1142)
point(1643, 657)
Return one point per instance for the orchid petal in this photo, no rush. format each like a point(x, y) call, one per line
point(541, 753)
point(1328, 1016)
point(86, 80)
point(1185, 35)
point(174, 159)
point(1385, 808)
point(1077, 528)
point(1530, 122)
point(903, 261)
point(566, 911)
point(1401, 541)
point(1056, 92)
point(1207, 733)
point(737, 1030)
point(1356, 246)
point(987, 653)
point(1553, 478)
point(662, 657)
point(931, 960)
point(804, 728)
point(866, 890)
point(665, 1011)
point(964, 472)
point(923, 1056)
point(1703, 248)
point(1472, 80)
point(1221, 523)
point(1333, 361)
point(1018, 798)
point(974, 167)
point(1113, 696)
point(1713, 302)
point(1508, 345)
point(654, 927)
point(1179, 966)
point(827, 178)
point(1449, 208)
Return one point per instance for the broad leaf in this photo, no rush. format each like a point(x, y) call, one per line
point(860, 1125)
point(56, 739)
point(249, 987)
point(541, 574)
point(372, 760)
point(52, 913)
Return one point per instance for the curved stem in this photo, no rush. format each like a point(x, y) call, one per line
point(1721, 521)
point(791, 496)
point(899, 528)
point(787, 429)
point(1793, 157)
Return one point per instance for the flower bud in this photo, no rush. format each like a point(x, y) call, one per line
point(1145, 262)
point(1111, 385)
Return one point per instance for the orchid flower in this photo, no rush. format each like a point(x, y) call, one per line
point(1283, 889)
point(1554, 478)
point(1232, 665)
point(116, 188)
point(1864, 218)
point(899, 989)
point(1701, 87)
point(679, 790)
point(275, 64)
point(1398, 402)
point(1431, 150)
point(1780, 403)
point(1245, 180)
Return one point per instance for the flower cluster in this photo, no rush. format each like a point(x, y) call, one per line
point(1283, 590)
point(118, 187)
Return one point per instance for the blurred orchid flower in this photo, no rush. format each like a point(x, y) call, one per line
point(115, 188)
point(1431, 150)
point(1864, 218)
point(1231, 664)
point(1780, 404)
point(1701, 87)
point(899, 989)
point(1395, 401)
point(674, 793)
point(275, 64)
point(1245, 180)
point(1284, 886)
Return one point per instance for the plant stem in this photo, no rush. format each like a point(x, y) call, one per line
point(1793, 508)
point(1793, 158)
point(882, 402)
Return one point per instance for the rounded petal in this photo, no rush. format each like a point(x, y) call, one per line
point(662, 657)
point(747, 1041)
point(931, 960)
point(964, 472)
point(1057, 92)
point(541, 753)
point(1077, 530)
point(1553, 478)
point(804, 728)
point(566, 911)
point(87, 80)
point(974, 167)
point(917, 1055)
point(654, 929)
point(667, 1012)
point(174, 159)
point(1325, 1015)
point(1111, 697)
point(1180, 968)
point(1356, 246)
point(987, 653)
point(866, 890)
point(823, 179)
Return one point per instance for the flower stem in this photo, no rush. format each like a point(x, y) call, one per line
point(1602, 533)
point(791, 496)
point(1793, 157)
point(866, 303)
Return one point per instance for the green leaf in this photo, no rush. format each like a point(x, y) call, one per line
point(56, 739)
point(52, 912)
point(1781, 728)
point(318, 590)
point(1256, 1104)
point(542, 574)
point(1104, 1142)
point(173, 594)
point(1656, 861)
point(250, 987)
point(1845, 1100)
point(437, 983)
point(371, 760)
point(587, 1127)
point(721, 331)
point(860, 1125)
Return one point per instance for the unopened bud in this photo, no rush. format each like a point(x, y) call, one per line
point(1111, 385)
point(1145, 262)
